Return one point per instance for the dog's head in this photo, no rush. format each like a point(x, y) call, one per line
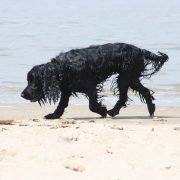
point(43, 84)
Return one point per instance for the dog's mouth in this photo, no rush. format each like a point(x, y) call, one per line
point(35, 99)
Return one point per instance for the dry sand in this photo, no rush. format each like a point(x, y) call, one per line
point(83, 146)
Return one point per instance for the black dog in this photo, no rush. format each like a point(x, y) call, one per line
point(85, 70)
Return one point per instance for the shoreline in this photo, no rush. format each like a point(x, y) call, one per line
point(163, 96)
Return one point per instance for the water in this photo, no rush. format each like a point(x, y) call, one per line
point(33, 32)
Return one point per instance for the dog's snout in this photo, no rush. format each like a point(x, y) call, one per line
point(22, 95)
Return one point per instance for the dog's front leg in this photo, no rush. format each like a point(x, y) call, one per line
point(60, 109)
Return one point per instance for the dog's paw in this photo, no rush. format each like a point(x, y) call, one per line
point(112, 113)
point(104, 115)
point(151, 110)
point(103, 112)
point(52, 116)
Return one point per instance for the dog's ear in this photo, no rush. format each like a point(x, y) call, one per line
point(51, 83)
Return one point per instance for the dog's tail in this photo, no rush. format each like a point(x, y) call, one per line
point(153, 63)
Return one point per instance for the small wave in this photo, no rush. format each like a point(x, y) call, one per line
point(165, 46)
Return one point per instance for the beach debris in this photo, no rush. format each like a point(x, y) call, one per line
point(63, 126)
point(92, 121)
point(70, 139)
point(36, 120)
point(117, 128)
point(159, 119)
point(24, 124)
point(109, 151)
point(168, 167)
point(74, 156)
point(56, 127)
point(68, 122)
point(7, 122)
point(3, 129)
point(75, 167)
point(177, 128)
point(44, 125)
point(152, 129)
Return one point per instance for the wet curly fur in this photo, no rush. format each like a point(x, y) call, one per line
point(85, 70)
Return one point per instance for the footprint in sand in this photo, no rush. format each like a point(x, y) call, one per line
point(70, 138)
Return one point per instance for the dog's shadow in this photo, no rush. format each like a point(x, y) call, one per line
point(127, 118)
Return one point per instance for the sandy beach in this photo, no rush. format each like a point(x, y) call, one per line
point(83, 146)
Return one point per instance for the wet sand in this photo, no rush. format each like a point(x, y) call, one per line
point(81, 145)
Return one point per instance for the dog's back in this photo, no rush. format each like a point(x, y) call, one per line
point(98, 59)
point(105, 60)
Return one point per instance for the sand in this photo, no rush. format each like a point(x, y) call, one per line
point(83, 146)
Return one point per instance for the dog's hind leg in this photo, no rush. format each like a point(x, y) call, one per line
point(144, 94)
point(94, 105)
point(61, 107)
point(122, 84)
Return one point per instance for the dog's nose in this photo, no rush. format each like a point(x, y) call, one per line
point(22, 95)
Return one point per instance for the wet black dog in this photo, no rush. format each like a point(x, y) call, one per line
point(85, 70)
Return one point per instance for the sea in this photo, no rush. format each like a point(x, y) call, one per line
point(33, 32)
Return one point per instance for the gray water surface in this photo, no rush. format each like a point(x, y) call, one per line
point(33, 32)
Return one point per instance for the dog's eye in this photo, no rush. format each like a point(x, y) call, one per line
point(30, 79)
